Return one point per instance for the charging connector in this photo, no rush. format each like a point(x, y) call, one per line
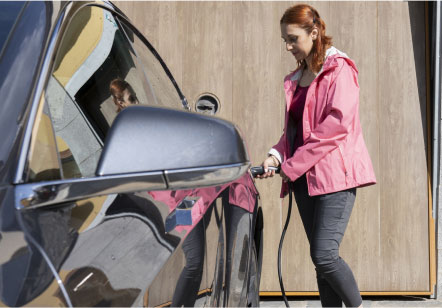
point(258, 171)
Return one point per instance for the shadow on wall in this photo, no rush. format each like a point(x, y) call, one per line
point(416, 11)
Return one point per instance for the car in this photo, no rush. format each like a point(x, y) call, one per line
point(112, 192)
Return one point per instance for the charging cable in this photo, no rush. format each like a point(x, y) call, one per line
point(258, 171)
point(281, 284)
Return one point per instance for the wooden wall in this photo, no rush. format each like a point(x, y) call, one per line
point(235, 51)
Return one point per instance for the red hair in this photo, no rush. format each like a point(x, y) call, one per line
point(116, 88)
point(306, 17)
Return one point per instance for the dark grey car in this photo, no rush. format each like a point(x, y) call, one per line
point(111, 192)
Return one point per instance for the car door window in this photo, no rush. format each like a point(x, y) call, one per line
point(95, 76)
point(165, 92)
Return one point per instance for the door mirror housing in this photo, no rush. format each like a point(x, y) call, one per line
point(189, 149)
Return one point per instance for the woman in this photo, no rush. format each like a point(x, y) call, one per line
point(122, 94)
point(322, 153)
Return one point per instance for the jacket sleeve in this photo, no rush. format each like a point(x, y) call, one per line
point(279, 148)
point(342, 103)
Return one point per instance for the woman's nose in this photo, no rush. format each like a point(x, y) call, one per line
point(288, 46)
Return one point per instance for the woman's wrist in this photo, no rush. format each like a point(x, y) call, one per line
point(275, 160)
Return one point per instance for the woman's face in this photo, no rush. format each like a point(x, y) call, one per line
point(125, 99)
point(297, 40)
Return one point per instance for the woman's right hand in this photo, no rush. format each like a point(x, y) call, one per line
point(270, 161)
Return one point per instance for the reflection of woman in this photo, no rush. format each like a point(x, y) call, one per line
point(122, 94)
point(322, 152)
point(188, 284)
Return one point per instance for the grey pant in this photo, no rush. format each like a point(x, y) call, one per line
point(325, 219)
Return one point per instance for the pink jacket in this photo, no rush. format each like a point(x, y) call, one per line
point(333, 156)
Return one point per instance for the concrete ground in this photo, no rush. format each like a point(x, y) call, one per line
point(395, 301)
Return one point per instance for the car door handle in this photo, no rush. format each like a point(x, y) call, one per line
point(181, 215)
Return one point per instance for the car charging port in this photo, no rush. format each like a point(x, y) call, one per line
point(207, 103)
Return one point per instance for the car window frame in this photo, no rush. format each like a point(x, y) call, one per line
point(41, 79)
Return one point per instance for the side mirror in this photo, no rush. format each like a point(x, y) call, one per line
point(188, 149)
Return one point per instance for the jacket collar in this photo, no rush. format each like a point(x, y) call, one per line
point(331, 54)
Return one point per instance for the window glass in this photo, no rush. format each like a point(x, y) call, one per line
point(160, 84)
point(9, 11)
point(43, 164)
point(95, 76)
point(79, 147)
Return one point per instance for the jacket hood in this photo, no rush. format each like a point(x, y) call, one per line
point(331, 56)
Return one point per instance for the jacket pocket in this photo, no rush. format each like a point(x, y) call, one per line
point(343, 162)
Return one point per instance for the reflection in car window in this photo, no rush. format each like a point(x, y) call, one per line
point(160, 84)
point(9, 11)
point(83, 93)
point(78, 146)
point(43, 161)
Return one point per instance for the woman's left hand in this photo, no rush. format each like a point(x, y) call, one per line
point(285, 178)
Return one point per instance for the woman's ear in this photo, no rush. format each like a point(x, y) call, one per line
point(314, 33)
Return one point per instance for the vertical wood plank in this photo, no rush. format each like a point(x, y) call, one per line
point(258, 106)
point(208, 53)
point(403, 185)
point(172, 36)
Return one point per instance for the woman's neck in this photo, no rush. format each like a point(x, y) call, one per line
point(308, 71)
point(308, 62)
